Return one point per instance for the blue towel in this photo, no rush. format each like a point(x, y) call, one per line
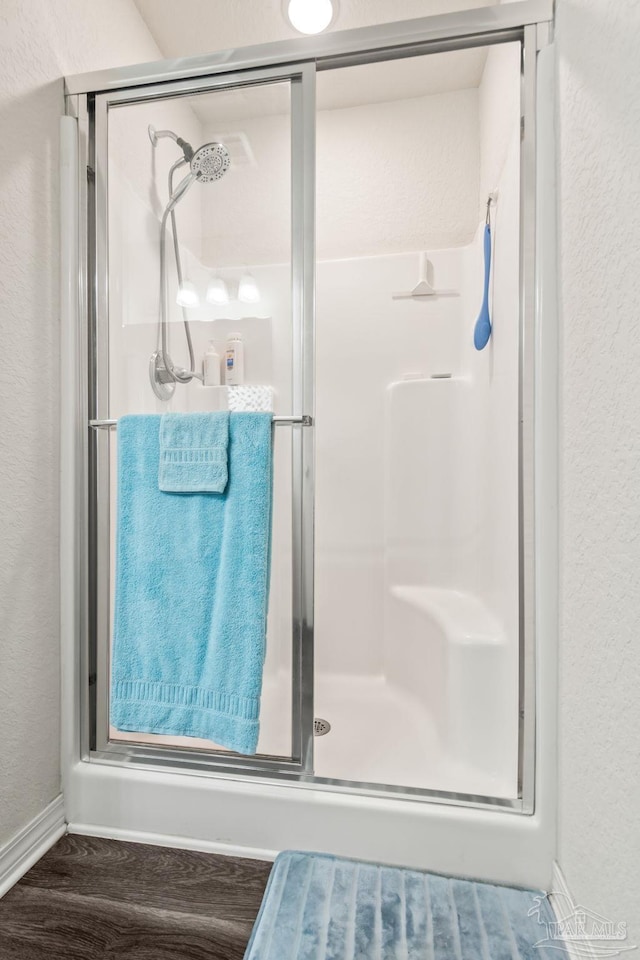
point(192, 581)
point(193, 452)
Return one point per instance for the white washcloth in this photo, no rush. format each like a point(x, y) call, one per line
point(251, 397)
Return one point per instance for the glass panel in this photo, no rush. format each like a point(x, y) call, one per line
point(235, 252)
point(417, 595)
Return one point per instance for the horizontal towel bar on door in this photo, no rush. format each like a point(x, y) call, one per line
point(305, 420)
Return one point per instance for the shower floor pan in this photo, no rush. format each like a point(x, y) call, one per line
point(378, 735)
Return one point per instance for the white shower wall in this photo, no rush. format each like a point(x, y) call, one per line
point(416, 608)
point(417, 583)
point(391, 177)
point(366, 345)
point(416, 614)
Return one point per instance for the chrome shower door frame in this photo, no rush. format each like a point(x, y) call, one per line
point(301, 78)
point(527, 22)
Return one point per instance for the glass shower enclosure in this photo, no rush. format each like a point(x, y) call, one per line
point(363, 172)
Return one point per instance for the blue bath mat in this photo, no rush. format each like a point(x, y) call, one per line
point(318, 907)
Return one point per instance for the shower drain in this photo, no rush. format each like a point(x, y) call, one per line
point(321, 727)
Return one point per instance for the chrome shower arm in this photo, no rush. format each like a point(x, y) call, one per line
point(187, 149)
point(155, 134)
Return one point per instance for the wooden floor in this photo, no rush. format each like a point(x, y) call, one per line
point(91, 899)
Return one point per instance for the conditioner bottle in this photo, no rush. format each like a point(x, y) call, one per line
point(234, 361)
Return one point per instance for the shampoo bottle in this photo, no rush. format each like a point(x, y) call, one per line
point(211, 366)
point(234, 360)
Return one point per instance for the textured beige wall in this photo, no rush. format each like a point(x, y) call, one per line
point(40, 41)
point(599, 125)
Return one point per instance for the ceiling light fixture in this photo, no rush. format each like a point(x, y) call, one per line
point(248, 291)
point(217, 291)
point(187, 295)
point(311, 16)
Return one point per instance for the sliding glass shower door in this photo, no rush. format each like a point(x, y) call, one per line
point(237, 262)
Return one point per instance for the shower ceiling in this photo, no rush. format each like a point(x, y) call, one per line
point(201, 26)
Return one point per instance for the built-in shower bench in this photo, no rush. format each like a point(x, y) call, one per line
point(461, 667)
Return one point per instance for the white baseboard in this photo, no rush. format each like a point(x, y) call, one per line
point(22, 851)
point(167, 840)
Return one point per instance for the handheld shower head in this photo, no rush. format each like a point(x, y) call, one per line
point(210, 162)
point(206, 164)
point(180, 191)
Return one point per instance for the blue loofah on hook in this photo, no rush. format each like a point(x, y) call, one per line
point(482, 329)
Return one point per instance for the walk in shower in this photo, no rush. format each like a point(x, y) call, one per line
point(360, 174)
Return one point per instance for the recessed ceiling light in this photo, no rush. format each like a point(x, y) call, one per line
point(311, 16)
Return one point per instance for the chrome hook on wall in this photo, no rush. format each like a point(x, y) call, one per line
point(491, 199)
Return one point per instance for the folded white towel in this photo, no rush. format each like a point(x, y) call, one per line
point(251, 397)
